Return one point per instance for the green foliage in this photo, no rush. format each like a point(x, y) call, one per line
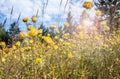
point(14, 32)
point(110, 10)
point(3, 34)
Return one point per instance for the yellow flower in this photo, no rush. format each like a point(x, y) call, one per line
point(55, 47)
point(88, 4)
point(79, 27)
point(3, 59)
point(66, 24)
point(40, 30)
point(31, 41)
point(70, 55)
point(52, 26)
point(33, 32)
point(14, 47)
point(48, 39)
point(48, 35)
point(17, 43)
point(98, 13)
point(38, 60)
point(107, 28)
point(57, 31)
point(23, 34)
point(56, 37)
point(104, 23)
point(25, 19)
point(2, 44)
point(34, 18)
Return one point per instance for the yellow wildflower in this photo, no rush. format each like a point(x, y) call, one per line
point(31, 41)
point(38, 60)
point(98, 13)
point(2, 44)
point(104, 23)
point(52, 26)
point(79, 27)
point(23, 34)
point(40, 30)
point(66, 24)
point(25, 19)
point(14, 47)
point(3, 59)
point(34, 18)
point(55, 47)
point(88, 4)
point(70, 55)
point(33, 32)
point(57, 31)
point(107, 28)
point(48, 39)
point(17, 43)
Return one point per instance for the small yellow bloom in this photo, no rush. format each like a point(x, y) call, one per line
point(40, 30)
point(88, 4)
point(38, 60)
point(55, 47)
point(48, 39)
point(2, 44)
point(25, 19)
point(52, 26)
point(17, 43)
point(57, 31)
point(14, 47)
point(66, 24)
point(23, 34)
point(70, 55)
point(56, 37)
point(3, 59)
point(107, 28)
point(33, 32)
point(104, 23)
point(31, 41)
point(34, 18)
point(79, 27)
point(98, 13)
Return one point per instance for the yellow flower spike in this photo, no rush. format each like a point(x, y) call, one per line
point(17, 43)
point(98, 13)
point(23, 34)
point(70, 55)
point(38, 60)
point(66, 24)
point(34, 18)
point(25, 19)
point(55, 47)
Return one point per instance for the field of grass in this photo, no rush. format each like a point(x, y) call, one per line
point(66, 53)
point(79, 55)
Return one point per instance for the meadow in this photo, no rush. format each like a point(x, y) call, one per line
point(81, 53)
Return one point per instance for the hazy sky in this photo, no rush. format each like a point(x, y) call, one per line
point(53, 11)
